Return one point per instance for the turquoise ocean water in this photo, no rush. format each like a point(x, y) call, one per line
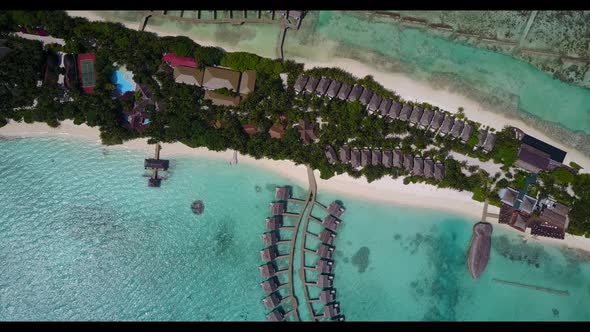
point(84, 238)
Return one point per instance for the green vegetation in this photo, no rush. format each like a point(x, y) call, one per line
point(575, 166)
point(224, 92)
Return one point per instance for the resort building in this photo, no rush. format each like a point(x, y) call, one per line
point(426, 118)
point(416, 115)
point(408, 162)
point(387, 159)
point(344, 154)
point(250, 129)
point(384, 107)
point(335, 209)
point(324, 266)
point(330, 222)
point(355, 158)
point(216, 78)
point(374, 103)
point(394, 110)
point(365, 157)
point(328, 295)
point(331, 311)
point(365, 97)
point(322, 87)
point(428, 168)
point(531, 159)
point(327, 237)
point(174, 60)
point(481, 138)
point(311, 85)
point(221, 100)
point(333, 89)
point(307, 131)
point(457, 128)
point(405, 113)
point(282, 193)
point(344, 91)
point(488, 145)
point(439, 171)
point(325, 251)
point(466, 133)
point(71, 76)
point(553, 220)
point(270, 239)
point(398, 158)
point(247, 82)
point(325, 281)
point(437, 120)
point(188, 75)
point(277, 131)
point(376, 157)
point(275, 316)
point(447, 125)
point(355, 93)
point(268, 254)
point(518, 200)
point(331, 155)
point(418, 169)
point(267, 270)
point(277, 208)
point(273, 223)
point(270, 285)
point(86, 71)
point(300, 83)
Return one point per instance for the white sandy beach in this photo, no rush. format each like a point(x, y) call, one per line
point(386, 190)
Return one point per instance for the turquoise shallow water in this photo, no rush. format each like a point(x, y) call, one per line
point(84, 238)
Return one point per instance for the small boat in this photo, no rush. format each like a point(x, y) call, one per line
point(479, 248)
point(197, 207)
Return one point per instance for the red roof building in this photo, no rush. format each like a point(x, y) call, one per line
point(86, 71)
point(174, 60)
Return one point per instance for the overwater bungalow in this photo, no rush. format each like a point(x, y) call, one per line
point(324, 266)
point(327, 237)
point(405, 112)
point(439, 171)
point(267, 270)
point(325, 251)
point(268, 254)
point(322, 87)
point(270, 238)
point(394, 110)
point(270, 285)
point(277, 208)
point(344, 91)
point(331, 310)
point(437, 120)
point(408, 162)
point(325, 281)
point(426, 118)
point(335, 209)
point(488, 145)
point(447, 125)
point(344, 154)
point(365, 97)
point(330, 155)
point(374, 103)
point(418, 169)
point(365, 157)
point(331, 223)
point(481, 138)
point(282, 193)
point(457, 128)
point(273, 223)
point(376, 157)
point(275, 316)
point(271, 301)
point(159, 164)
point(416, 115)
point(428, 168)
point(398, 158)
point(311, 85)
point(387, 159)
point(355, 93)
point(355, 158)
point(384, 107)
point(300, 83)
point(466, 133)
point(333, 89)
point(328, 295)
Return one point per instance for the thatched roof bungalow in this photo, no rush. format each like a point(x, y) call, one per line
point(277, 208)
point(335, 209)
point(387, 159)
point(374, 103)
point(267, 270)
point(330, 155)
point(328, 295)
point(447, 125)
point(270, 285)
point(268, 254)
point(330, 222)
point(428, 168)
point(311, 85)
point(405, 112)
point(300, 83)
point(481, 138)
point(333, 89)
point(275, 316)
point(365, 157)
point(466, 133)
point(325, 281)
point(426, 118)
point(437, 120)
point(331, 310)
point(398, 158)
point(376, 157)
point(355, 158)
point(344, 154)
point(271, 301)
point(327, 237)
point(457, 128)
point(439, 171)
point(270, 238)
point(322, 87)
point(384, 107)
point(418, 169)
point(394, 110)
point(344, 91)
point(273, 223)
point(416, 115)
point(325, 251)
point(355, 93)
point(277, 131)
point(307, 131)
point(488, 145)
point(408, 162)
point(365, 97)
point(282, 193)
point(324, 266)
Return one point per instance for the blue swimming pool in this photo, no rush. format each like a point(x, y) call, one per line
point(123, 80)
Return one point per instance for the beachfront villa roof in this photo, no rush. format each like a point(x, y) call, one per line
point(327, 237)
point(355, 93)
point(355, 158)
point(387, 159)
point(270, 238)
point(394, 109)
point(270, 285)
point(398, 158)
point(267, 270)
point(324, 266)
point(374, 103)
point(312, 83)
point(457, 127)
point(277, 131)
point(531, 159)
point(300, 83)
point(488, 145)
point(325, 251)
point(51, 68)
point(437, 120)
point(330, 222)
point(335, 209)
point(416, 115)
point(325, 281)
point(275, 316)
point(439, 171)
point(528, 204)
point(384, 107)
point(344, 91)
point(250, 129)
point(247, 82)
point(271, 301)
point(330, 154)
point(408, 162)
point(331, 310)
point(268, 254)
point(426, 117)
point(466, 133)
point(365, 157)
point(216, 78)
point(418, 167)
point(221, 100)
point(376, 157)
point(365, 97)
point(322, 87)
point(282, 193)
point(554, 153)
point(188, 75)
point(333, 89)
point(481, 137)
point(328, 295)
point(553, 217)
point(307, 131)
point(344, 154)
point(508, 195)
point(405, 112)
point(447, 124)
point(428, 168)
point(277, 208)
point(174, 60)
point(160, 164)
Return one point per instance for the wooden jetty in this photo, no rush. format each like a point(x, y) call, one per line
point(479, 249)
point(533, 287)
point(156, 164)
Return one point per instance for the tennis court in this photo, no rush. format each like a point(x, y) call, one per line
point(87, 72)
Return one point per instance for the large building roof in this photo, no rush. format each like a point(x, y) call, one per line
point(188, 75)
point(553, 152)
point(216, 78)
point(248, 82)
point(175, 60)
point(532, 159)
